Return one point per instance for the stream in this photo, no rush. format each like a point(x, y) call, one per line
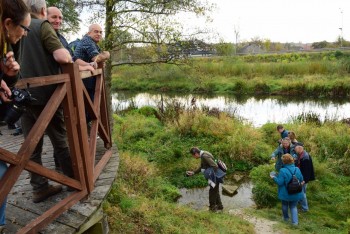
point(253, 110)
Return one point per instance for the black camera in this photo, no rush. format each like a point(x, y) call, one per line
point(11, 112)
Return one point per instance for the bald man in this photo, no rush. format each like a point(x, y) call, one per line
point(55, 17)
point(42, 53)
point(88, 50)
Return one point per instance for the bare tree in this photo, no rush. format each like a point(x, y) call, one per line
point(237, 34)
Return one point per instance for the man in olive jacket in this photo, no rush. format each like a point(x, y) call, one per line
point(208, 162)
point(41, 54)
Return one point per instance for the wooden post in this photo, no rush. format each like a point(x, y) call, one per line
point(78, 102)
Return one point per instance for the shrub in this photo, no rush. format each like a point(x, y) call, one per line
point(143, 176)
point(265, 189)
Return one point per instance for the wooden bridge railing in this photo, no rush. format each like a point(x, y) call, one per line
point(73, 97)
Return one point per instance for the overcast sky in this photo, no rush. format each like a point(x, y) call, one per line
point(304, 21)
point(282, 20)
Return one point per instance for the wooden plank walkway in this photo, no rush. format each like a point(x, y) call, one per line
point(20, 208)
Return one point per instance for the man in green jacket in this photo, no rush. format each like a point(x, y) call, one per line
point(208, 161)
point(41, 55)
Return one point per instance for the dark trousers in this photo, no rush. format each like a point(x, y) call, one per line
point(214, 197)
point(90, 84)
point(57, 133)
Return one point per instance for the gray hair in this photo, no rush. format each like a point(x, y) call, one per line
point(286, 139)
point(35, 6)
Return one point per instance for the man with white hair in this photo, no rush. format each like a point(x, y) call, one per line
point(88, 50)
point(285, 147)
point(41, 55)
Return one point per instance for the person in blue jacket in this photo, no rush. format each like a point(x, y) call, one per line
point(282, 131)
point(286, 147)
point(282, 179)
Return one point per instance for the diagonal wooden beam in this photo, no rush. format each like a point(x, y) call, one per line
point(8, 157)
point(11, 175)
point(104, 119)
point(102, 163)
point(89, 105)
point(53, 175)
point(39, 223)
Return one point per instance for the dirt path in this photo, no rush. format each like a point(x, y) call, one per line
point(261, 225)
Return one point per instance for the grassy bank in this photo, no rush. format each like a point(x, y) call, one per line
point(141, 201)
point(322, 74)
point(154, 156)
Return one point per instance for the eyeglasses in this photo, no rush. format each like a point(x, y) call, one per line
point(25, 28)
point(96, 31)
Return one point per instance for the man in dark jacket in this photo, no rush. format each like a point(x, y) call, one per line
point(208, 163)
point(304, 163)
point(89, 51)
point(41, 55)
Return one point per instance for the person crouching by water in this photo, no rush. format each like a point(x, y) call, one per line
point(212, 173)
point(282, 179)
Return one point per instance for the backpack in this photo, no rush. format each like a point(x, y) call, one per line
point(74, 44)
point(221, 165)
point(294, 186)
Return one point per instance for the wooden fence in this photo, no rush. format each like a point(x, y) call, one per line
point(71, 94)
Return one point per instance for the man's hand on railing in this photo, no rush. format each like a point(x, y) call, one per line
point(86, 68)
point(94, 65)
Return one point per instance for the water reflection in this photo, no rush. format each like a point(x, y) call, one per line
point(256, 110)
point(198, 198)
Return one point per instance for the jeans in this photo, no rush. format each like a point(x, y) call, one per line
point(303, 202)
point(293, 211)
point(3, 168)
point(56, 131)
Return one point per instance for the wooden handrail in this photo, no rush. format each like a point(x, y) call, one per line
point(71, 94)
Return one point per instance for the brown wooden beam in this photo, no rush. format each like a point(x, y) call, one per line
point(78, 89)
point(102, 163)
point(13, 172)
point(39, 223)
point(53, 175)
point(42, 81)
point(8, 157)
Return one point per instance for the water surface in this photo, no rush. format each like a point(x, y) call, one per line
point(198, 198)
point(255, 110)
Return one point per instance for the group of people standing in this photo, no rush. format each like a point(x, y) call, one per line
point(33, 46)
point(291, 159)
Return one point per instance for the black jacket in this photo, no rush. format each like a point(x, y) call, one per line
point(304, 162)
